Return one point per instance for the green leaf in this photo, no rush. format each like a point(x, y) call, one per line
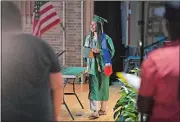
point(123, 95)
point(117, 113)
point(116, 107)
point(131, 101)
point(126, 105)
point(129, 87)
point(131, 109)
point(129, 120)
point(122, 102)
point(123, 92)
point(118, 119)
point(131, 115)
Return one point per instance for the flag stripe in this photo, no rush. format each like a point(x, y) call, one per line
point(45, 5)
point(43, 20)
point(44, 17)
point(49, 26)
point(50, 16)
point(46, 9)
point(47, 14)
point(37, 28)
point(49, 21)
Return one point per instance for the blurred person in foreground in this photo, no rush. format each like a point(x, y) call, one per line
point(30, 73)
point(159, 93)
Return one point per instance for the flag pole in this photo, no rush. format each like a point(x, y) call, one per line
point(64, 33)
point(82, 31)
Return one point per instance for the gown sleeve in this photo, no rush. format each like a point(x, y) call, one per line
point(86, 44)
point(111, 46)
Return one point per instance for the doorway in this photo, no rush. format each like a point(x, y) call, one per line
point(111, 11)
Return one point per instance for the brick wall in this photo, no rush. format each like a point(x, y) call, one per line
point(73, 32)
point(55, 35)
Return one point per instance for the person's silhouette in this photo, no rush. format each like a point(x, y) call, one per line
point(30, 71)
point(159, 90)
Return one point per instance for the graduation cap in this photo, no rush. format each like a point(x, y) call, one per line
point(100, 20)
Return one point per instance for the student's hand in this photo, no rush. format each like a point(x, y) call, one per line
point(95, 50)
point(87, 69)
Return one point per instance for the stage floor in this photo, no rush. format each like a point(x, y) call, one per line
point(82, 92)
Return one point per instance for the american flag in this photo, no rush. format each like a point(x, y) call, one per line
point(44, 17)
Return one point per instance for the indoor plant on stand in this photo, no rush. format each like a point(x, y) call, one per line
point(125, 108)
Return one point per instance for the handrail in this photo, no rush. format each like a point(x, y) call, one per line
point(159, 41)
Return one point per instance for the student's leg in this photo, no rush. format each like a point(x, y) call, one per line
point(103, 93)
point(93, 95)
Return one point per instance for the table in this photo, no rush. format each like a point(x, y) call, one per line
point(73, 73)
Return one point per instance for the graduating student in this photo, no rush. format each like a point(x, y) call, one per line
point(159, 93)
point(99, 66)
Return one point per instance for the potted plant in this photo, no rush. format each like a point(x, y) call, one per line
point(125, 108)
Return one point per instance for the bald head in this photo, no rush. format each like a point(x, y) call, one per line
point(171, 13)
point(172, 16)
point(11, 17)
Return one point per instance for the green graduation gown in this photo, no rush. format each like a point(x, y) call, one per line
point(98, 81)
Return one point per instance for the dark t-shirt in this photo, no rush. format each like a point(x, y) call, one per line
point(26, 65)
